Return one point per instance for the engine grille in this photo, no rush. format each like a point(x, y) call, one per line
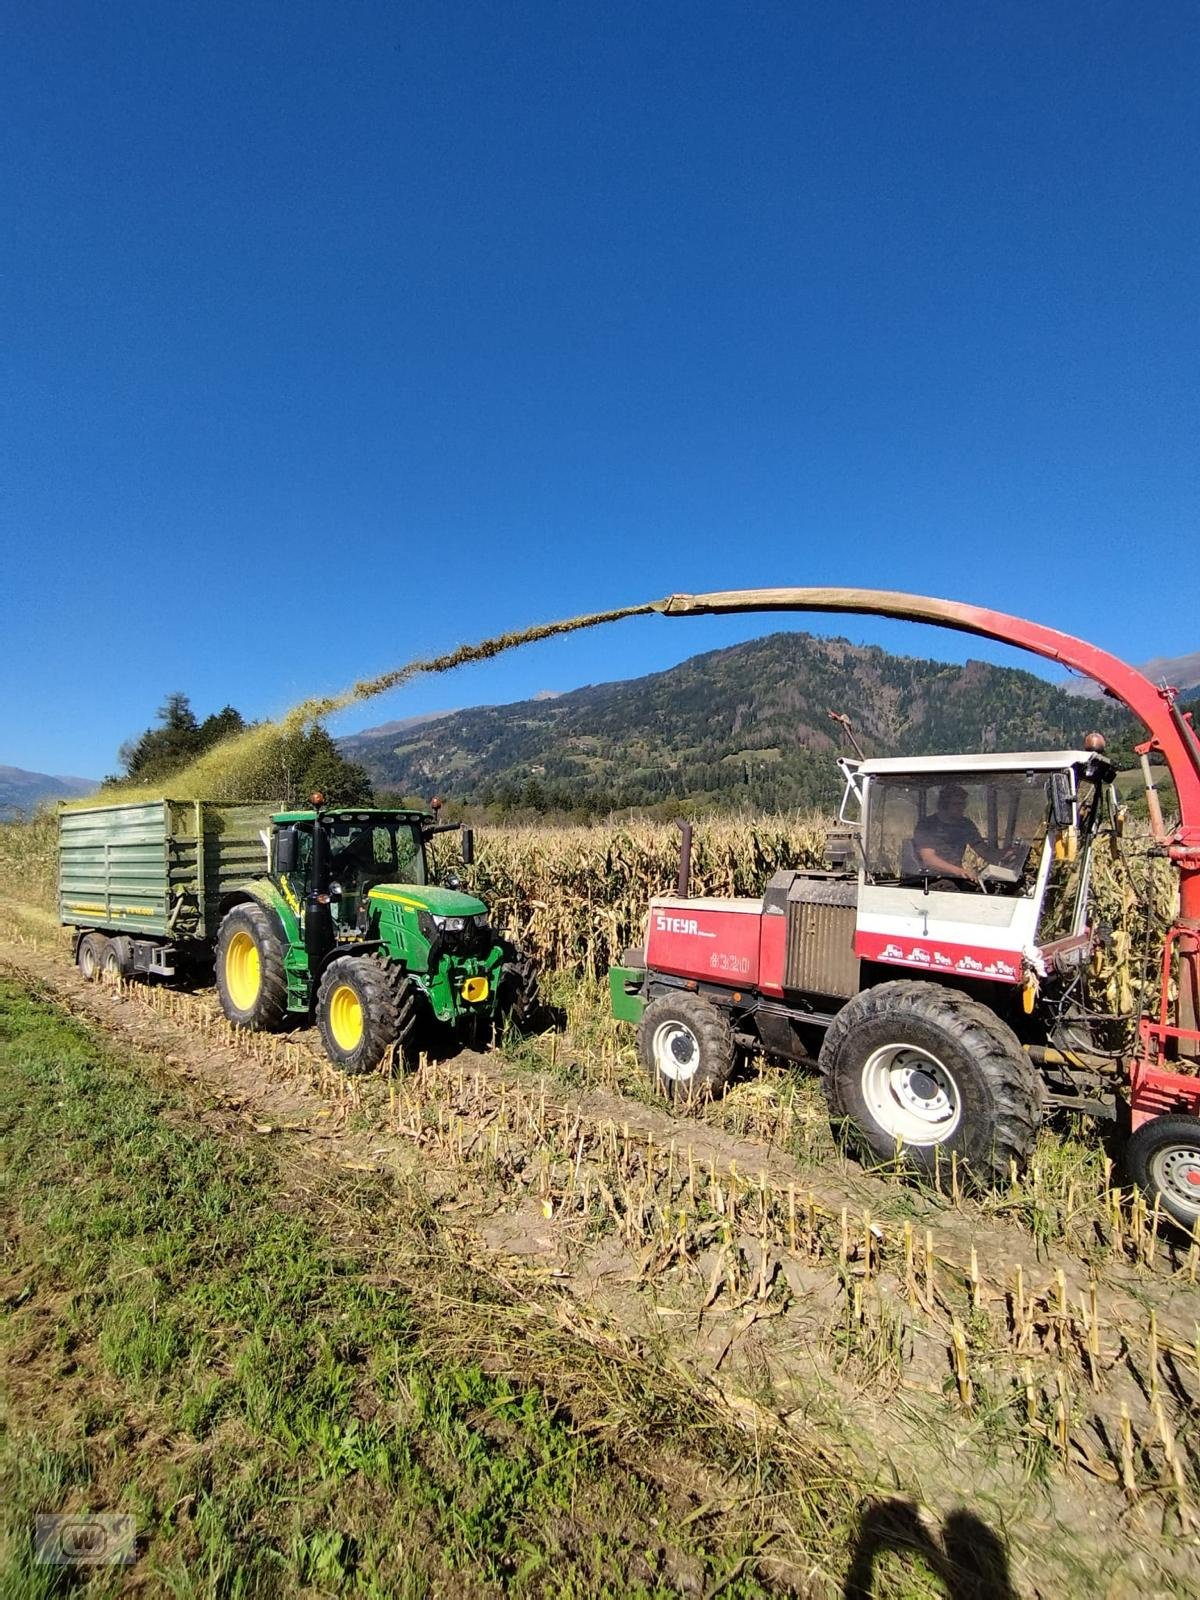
point(820, 939)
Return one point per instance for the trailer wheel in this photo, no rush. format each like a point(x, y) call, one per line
point(362, 1009)
point(686, 1045)
point(918, 1073)
point(250, 977)
point(89, 955)
point(1163, 1159)
point(117, 959)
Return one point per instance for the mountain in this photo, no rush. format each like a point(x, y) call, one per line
point(1183, 672)
point(747, 725)
point(21, 792)
point(385, 730)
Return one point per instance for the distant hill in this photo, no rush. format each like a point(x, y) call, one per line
point(21, 792)
point(747, 725)
point(386, 730)
point(1182, 672)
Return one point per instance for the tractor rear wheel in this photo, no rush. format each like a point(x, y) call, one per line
point(686, 1045)
point(89, 955)
point(922, 1074)
point(1163, 1159)
point(250, 978)
point(363, 1008)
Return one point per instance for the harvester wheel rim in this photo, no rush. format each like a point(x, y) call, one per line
point(1175, 1171)
point(243, 970)
point(676, 1051)
point(911, 1094)
point(346, 1021)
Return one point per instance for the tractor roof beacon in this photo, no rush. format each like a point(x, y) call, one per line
point(938, 969)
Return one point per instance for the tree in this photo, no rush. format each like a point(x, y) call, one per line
point(163, 750)
point(284, 764)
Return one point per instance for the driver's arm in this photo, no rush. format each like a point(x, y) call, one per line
point(928, 856)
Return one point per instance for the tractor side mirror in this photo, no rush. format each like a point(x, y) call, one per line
point(285, 851)
point(1062, 801)
point(468, 846)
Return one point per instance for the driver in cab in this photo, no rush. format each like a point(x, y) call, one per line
point(940, 841)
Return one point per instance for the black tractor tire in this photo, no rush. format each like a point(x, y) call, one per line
point(686, 1046)
point(1163, 1159)
point(251, 982)
point(363, 1008)
point(89, 955)
point(520, 1002)
point(917, 1073)
point(117, 960)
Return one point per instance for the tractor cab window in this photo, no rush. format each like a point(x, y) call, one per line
point(957, 830)
point(366, 850)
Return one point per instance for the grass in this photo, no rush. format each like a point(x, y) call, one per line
point(274, 1405)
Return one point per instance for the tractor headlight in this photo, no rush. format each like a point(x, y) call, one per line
point(461, 924)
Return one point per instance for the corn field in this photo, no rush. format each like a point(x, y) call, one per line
point(575, 897)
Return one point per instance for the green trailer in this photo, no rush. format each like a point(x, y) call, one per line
point(154, 876)
point(324, 914)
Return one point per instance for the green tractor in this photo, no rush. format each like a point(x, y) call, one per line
point(346, 926)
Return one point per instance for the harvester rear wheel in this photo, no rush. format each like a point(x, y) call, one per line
point(89, 955)
point(686, 1045)
point(250, 978)
point(362, 1011)
point(1163, 1159)
point(919, 1074)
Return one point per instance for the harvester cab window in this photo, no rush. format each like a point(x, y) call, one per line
point(988, 827)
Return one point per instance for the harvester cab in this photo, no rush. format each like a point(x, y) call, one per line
point(978, 866)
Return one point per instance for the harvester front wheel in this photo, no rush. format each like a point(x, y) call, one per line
point(250, 976)
point(686, 1045)
point(1163, 1159)
point(89, 955)
point(921, 1075)
point(361, 1012)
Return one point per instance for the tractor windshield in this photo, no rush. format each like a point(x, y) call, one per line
point(374, 849)
point(956, 826)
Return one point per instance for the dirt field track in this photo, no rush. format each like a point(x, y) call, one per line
point(837, 1383)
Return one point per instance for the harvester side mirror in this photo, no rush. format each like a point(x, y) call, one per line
point(1062, 801)
point(285, 851)
point(468, 846)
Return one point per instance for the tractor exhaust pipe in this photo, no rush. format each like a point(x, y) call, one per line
point(685, 860)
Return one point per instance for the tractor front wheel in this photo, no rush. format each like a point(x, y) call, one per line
point(686, 1045)
point(920, 1074)
point(520, 1000)
point(250, 976)
point(362, 1011)
point(1163, 1159)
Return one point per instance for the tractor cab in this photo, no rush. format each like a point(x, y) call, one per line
point(358, 851)
point(976, 865)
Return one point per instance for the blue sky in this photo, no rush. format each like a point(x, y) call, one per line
point(339, 334)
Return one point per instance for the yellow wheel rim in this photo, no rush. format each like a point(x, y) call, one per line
point(243, 971)
point(346, 1017)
